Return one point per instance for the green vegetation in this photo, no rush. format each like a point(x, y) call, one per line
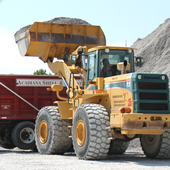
point(41, 72)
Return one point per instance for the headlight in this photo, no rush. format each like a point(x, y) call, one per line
point(139, 77)
point(107, 50)
point(163, 77)
point(129, 51)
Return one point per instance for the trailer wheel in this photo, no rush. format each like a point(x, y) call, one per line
point(5, 142)
point(156, 146)
point(118, 146)
point(23, 135)
point(90, 138)
point(51, 132)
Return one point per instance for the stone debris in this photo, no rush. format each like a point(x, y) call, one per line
point(155, 50)
point(59, 20)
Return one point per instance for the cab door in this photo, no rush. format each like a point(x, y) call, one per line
point(91, 67)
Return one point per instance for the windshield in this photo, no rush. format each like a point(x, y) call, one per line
point(108, 62)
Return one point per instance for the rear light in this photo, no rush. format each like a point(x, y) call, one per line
point(122, 110)
point(125, 110)
point(128, 110)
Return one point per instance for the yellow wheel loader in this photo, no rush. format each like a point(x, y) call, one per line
point(111, 107)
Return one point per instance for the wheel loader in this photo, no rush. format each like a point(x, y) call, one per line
point(112, 106)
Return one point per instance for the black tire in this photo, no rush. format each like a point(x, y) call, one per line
point(71, 149)
point(23, 135)
point(156, 146)
point(5, 142)
point(51, 132)
point(92, 142)
point(118, 146)
point(34, 149)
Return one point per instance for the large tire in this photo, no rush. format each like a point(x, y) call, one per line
point(23, 135)
point(118, 146)
point(89, 134)
point(51, 132)
point(156, 146)
point(6, 141)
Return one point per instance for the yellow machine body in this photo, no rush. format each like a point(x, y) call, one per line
point(48, 41)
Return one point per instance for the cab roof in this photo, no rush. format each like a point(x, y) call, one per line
point(110, 47)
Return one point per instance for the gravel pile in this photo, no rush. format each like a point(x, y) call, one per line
point(155, 50)
point(134, 146)
point(65, 20)
point(59, 20)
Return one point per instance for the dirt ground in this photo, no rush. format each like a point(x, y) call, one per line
point(132, 159)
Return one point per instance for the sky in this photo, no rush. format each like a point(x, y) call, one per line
point(122, 21)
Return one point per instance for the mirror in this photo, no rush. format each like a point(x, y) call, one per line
point(139, 61)
point(73, 59)
point(125, 63)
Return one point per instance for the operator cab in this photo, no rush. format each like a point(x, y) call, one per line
point(103, 61)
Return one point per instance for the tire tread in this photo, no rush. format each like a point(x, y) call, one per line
point(98, 142)
point(59, 141)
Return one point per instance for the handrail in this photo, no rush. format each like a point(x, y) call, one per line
point(18, 96)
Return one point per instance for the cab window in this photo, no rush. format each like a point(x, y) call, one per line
point(108, 61)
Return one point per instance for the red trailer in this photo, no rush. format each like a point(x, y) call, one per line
point(21, 97)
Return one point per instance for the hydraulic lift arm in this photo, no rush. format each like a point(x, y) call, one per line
point(65, 71)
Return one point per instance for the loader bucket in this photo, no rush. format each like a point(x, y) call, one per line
point(53, 40)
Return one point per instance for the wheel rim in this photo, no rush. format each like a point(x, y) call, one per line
point(43, 131)
point(80, 132)
point(27, 135)
point(150, 139)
